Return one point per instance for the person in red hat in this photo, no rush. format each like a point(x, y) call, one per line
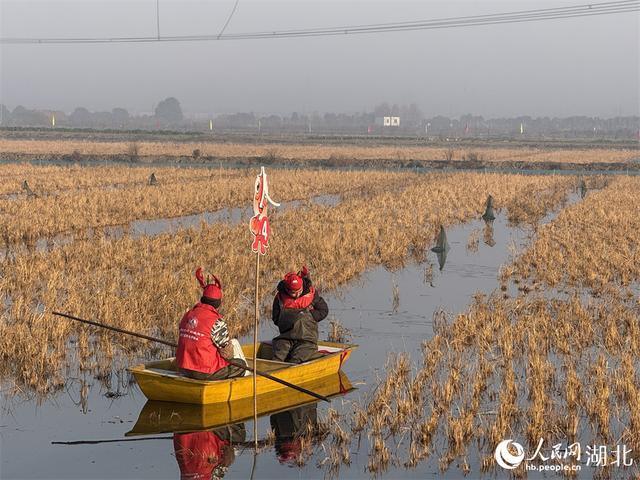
point(204, 347)
point(297, 309)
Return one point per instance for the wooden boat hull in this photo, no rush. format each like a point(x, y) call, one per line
point(160, 381)
point(164, 417)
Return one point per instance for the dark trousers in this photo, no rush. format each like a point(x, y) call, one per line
point(230, 371)
point(293, 351)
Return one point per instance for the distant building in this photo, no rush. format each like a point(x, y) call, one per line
point(387, 121)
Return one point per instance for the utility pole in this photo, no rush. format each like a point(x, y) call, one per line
point(158, 18)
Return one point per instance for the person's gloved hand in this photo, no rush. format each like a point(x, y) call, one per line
point(227, 351)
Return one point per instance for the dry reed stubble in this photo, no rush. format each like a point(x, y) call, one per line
point(591, 244)
point(145, 284)
point(536, 336)
point(315, 152)
point(81, 211)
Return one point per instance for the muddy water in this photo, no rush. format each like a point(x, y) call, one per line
point(366, 308)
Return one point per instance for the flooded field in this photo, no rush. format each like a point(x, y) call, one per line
point(365, 309)
point(68, 414)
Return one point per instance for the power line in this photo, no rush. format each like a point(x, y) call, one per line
point(536, 15)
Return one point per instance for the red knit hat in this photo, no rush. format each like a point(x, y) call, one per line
point(209, 290)
point(293, 281)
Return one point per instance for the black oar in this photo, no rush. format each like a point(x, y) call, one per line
point(171, 344)
point(250, 444)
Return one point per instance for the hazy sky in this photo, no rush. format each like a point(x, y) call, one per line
point(580, 66)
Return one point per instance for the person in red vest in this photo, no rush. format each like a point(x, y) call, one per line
point(297, 309)
point(204, 347)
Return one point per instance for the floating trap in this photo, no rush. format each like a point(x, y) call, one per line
point(488, 214)
point(441, 244)
point(27, 188)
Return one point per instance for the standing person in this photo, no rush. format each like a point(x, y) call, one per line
point(203, 344)
point(297, 309)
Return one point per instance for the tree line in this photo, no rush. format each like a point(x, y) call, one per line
point(168, 115)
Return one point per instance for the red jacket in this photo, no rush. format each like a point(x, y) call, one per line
point(303, 301)
point(198, 454)
point(196, 350)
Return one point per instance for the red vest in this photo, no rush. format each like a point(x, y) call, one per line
point(303, 301)
point(198, 453)
point(196, 350)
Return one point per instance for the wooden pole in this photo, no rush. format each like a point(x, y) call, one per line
point(255, 352)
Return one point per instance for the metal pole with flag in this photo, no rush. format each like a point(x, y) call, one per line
point(259, 226)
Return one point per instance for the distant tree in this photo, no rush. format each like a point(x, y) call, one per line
point(80, 117)
point(24, 117)
point(169, 110)
point(19, 111)
point(120, 116)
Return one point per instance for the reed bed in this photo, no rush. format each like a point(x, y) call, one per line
point(79, 211)
point(54, 179)
point(527, 368)
point(315, 152)
point(145, 284)
point(592, 244)
point(561, 365)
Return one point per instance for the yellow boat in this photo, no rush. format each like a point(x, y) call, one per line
point(160, 380)
point(164, 417)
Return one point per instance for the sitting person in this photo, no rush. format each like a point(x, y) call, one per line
point(297, 309)
point(204, 347)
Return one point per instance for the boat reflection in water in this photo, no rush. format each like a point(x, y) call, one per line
point(204, 436)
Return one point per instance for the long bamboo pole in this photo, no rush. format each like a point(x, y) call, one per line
point(255, 352)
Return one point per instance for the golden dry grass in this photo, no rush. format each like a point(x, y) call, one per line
point(526, 368)
point(313, 152)
point(26, 220)
point(51, 179)
point(563, 368)
point(593, 243)
point(145, 284)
